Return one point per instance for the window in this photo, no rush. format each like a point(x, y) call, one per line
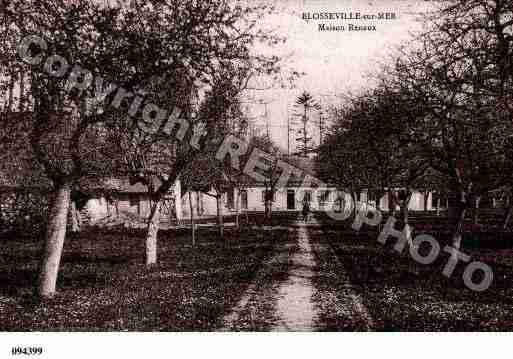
point(244, 199)
point(323, 198)
point(308, 196)
point(230, 199)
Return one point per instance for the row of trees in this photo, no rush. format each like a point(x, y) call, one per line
point(183, 56)
point(440, 117)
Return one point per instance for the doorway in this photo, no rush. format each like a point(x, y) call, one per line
point(291, 199)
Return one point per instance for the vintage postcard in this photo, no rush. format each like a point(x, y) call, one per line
point(228, 166)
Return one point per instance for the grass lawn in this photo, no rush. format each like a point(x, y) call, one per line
point(402, 295)
point(104, 285)
point(332, 295)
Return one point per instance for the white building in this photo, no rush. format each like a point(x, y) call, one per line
point(252, 199)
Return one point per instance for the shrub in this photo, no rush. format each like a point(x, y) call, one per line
point(23, 211)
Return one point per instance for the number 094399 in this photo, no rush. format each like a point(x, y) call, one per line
point(26, 350)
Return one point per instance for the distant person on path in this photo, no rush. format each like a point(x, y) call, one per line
point(306, 209)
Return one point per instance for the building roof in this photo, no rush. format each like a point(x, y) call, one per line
point(119, 185)
point(305, 165)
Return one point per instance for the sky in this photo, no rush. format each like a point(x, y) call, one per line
point(335, 62)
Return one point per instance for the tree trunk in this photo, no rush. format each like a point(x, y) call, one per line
point(456, 215)
point(507, 218)
point(219, 216)
point(154, 219)
point(305, 139)
point(268, 211)
point(54, 239)
point(193, 226)
point(475, 212)
point(198, 211)
point(379, 195)
point(10, 96)
point(237, 197)
point(457, 234)
point(391, 203)
point(355, 204)
point(75, 218)
point(151, 234)
point(405, 213)
point(21, 104)
point(405, 221)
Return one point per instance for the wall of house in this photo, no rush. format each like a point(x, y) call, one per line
point(207, 205)
point(96, 209)
point(137, 204)
point(128, 203)
point(255, 201)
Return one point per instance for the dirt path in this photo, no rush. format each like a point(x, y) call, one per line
point(299, 290)
point(280, 296)
point(294, 308)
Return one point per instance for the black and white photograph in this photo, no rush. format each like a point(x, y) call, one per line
point(220, 170)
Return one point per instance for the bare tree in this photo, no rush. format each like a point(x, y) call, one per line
point(456, 77)
point(116, 44)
